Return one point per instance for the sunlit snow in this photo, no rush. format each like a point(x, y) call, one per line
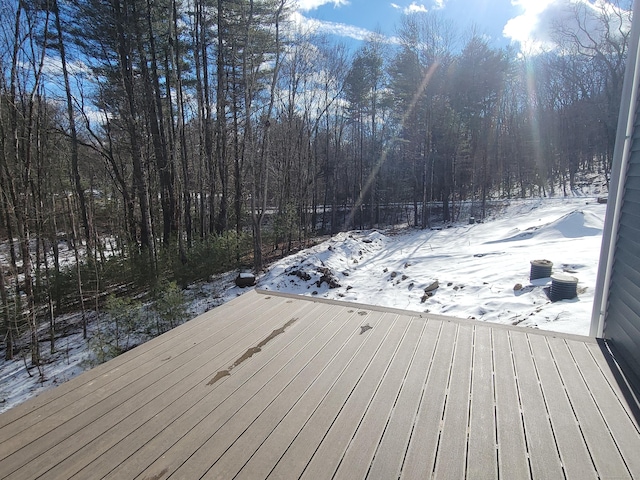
point(482, 270)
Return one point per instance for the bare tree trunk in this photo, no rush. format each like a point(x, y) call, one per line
point(260, 172)
point(206, 162)
point(139, 178)
point(6, 319)
point(75, 171)
point(221, 124)
point(157, 124)
point(78, 267)
point(184, 160)
point(22, 152)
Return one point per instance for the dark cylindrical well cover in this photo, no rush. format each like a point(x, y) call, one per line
point(540, 269)
point(563, 287)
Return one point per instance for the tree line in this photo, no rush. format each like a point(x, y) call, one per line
point(171, 139)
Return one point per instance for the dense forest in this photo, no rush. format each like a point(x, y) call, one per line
point(167, 140)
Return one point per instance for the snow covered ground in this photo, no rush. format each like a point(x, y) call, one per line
point(479, 271)
point(482, 270)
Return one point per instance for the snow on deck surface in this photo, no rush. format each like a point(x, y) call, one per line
point(275, 386)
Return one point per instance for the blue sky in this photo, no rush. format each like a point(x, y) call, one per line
point(526, 23)
point(489, 15)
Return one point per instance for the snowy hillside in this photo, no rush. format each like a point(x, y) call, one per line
point(481, 270)
point(478, 271)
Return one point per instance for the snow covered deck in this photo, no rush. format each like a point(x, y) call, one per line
point(275, 386)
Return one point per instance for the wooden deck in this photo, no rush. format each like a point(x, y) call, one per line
point(270, 386)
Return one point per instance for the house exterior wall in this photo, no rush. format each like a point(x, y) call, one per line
point(622, 321)
point(616, 313)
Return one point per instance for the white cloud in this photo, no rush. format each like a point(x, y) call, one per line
point(415, 8)
point(319, 26)
point(440, 4)
point(536, 28)
point(306, 5)
point(526, 28)
point(312, 25)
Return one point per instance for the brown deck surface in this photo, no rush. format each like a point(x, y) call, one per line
point(270, 386)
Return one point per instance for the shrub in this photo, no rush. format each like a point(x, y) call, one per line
point(117, 329)
point(170, 307)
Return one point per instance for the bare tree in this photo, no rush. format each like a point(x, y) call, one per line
point(600, 33)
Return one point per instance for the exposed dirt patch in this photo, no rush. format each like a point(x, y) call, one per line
point(301, 274)
point(327, 277)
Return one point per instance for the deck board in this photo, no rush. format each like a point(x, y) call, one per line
point(264, 458)
point(597, 436)
point(182, 388)
point(78, 429)
point(574, 455)
point(414, 396)
point(452, 449)
point(298, 453)
point(395, 441)
point(239, 406)
point(421, 454)
point(512, 450)
point(604, 361)
point(53, 410)
point(253, 436)
point(82, 428)
point(359, 455)
point(332, 449)
point(544, 458)
point(609, 404)
point(140, 449)
point(482, 460)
